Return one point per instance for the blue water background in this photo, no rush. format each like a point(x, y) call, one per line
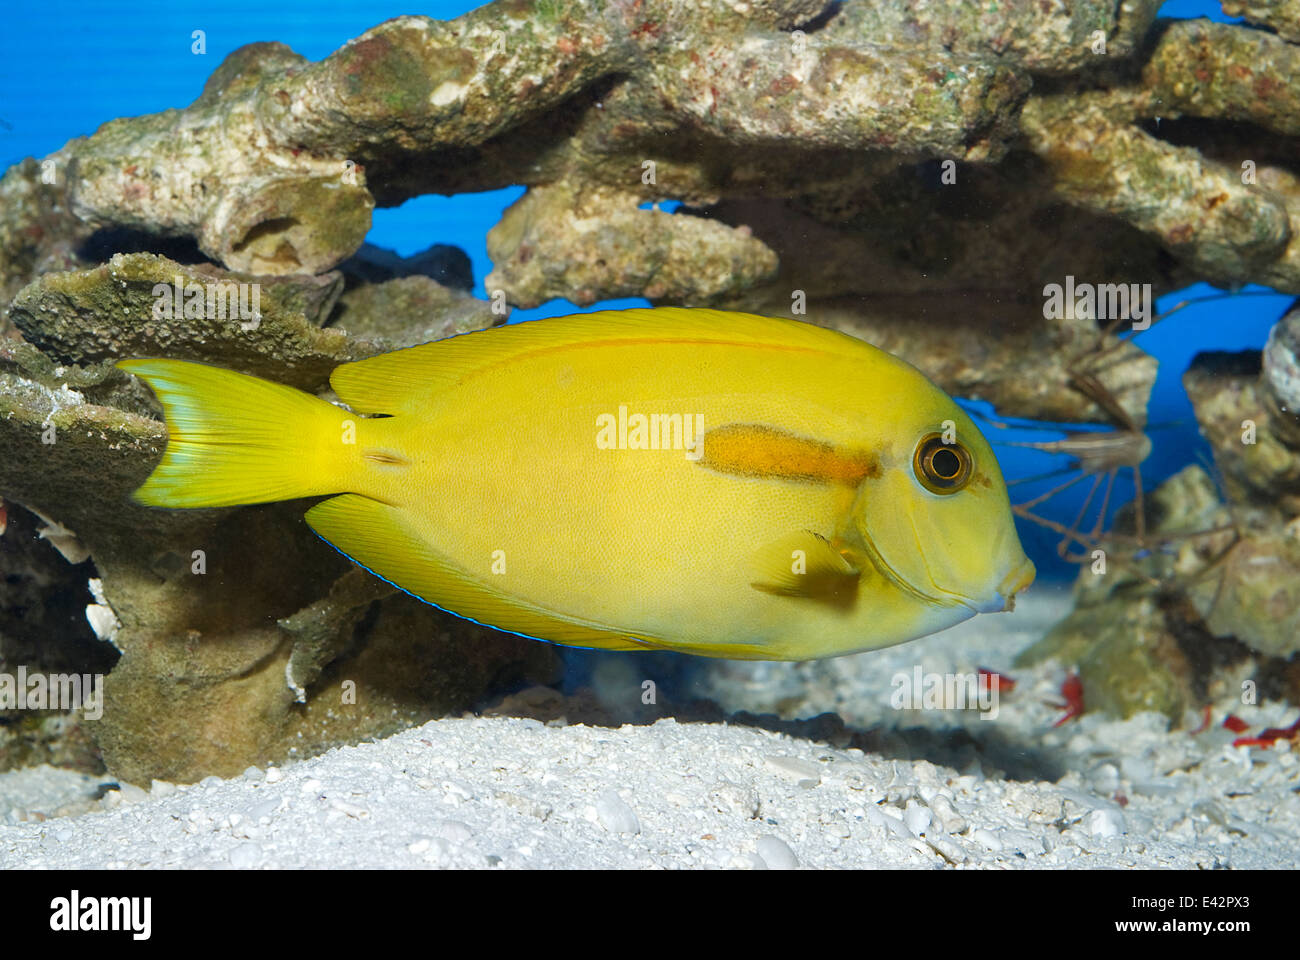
point(66, 67)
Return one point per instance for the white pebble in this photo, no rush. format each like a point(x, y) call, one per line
point(776, 853)
point(132, 794)
point(1105, 779)
point(615, 815)
point(949, 818)
point(946, 847)
point(796, 768)
point(890, 822)
point(273, 775)
point(917, 818)
point(1104, 823)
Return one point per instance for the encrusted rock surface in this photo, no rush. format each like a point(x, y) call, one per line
point(209, 609)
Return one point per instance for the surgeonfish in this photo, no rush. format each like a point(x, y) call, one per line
point(709, 482)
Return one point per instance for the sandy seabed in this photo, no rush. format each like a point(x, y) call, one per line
point(944, 789)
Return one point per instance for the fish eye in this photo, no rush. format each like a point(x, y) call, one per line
point(942, 468)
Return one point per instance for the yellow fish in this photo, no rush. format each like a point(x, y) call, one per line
point(714, 483)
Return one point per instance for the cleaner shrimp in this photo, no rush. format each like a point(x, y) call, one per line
point(1096, 457)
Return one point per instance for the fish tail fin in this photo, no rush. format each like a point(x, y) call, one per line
point(235, 439)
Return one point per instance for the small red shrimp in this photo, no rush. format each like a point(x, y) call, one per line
point(1072, 692)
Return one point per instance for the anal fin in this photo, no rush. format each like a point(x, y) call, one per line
point(378, 537)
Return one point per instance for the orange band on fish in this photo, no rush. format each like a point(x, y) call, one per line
point(755, 450)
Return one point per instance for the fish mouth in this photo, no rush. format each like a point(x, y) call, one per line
point(1003, 600)
point(1017, 579)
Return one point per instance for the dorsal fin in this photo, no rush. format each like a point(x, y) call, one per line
point(397, 381)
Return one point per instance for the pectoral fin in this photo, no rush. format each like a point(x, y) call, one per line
point(805, 564)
